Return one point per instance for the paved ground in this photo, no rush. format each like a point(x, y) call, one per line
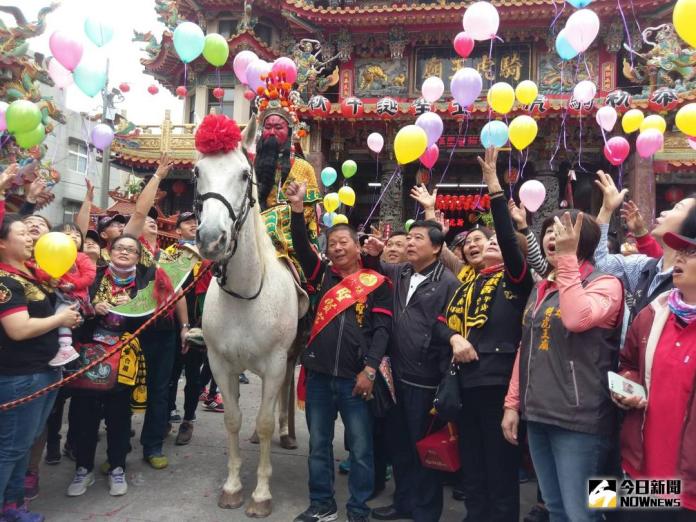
point(188, 489)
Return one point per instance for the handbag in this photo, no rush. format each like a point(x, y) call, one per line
point(384, 396)
point(448, 398)
point(440, 450)
point(103, 376)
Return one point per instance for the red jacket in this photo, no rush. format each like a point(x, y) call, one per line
point(641, 341)
point(81, 275)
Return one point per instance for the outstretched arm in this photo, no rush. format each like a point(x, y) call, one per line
point(82, 218)
point(147, 198)
point(306, 255)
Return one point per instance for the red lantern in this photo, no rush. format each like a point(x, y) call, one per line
point(181, 91)
point(620, 100)
point(219, 93)
point(663, 99)
point(178, 188)
point(124, 87)
point(319, 106)
point(387, 108)
point(352, 107)
point(249, 94)
point(674, 194)
point(153, 89)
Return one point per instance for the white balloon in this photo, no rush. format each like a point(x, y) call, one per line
point(584, 91)
point(375, 142)
point(582, 28)
point(606, 117)
point(432, 89)
point(481, 21)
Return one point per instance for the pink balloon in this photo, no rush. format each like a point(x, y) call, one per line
point(66, 49)
point(59, 74)
point(463, 44)
point(690, 139)
point(532, 194)
point(582, 28)
point(466, 85)
point(241, 62)
point(616, 150)
point(432, 89)
point(375, 142)
point(649, 142)
point(606, 117)
point(254, 71)
point(3, 121)
point(285, 65)
point(430, 156)
point(584, 91)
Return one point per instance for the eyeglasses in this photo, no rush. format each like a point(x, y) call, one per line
point(129, 250)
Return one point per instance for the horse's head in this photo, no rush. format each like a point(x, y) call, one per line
point(224, 184)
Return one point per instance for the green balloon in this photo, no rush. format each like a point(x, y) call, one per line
point(22, 116)
point(27, 140)
point(349, 168)
point(407, 225)
point(216, 50)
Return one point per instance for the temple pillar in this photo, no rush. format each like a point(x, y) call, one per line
point(549, 179)
point(640, 178)
point(390, 210)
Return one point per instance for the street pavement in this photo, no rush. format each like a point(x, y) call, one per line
point(188, 489)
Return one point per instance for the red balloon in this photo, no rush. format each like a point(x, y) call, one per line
point(430, 156)
point(617, 150)
point(124, 87)
point(352, 107)
point(219, 92)
point(153, 89)
point(463, 44)
point(181, 91)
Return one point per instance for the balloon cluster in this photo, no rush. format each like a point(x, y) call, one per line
point(580, 31)
point(23, 120)
point(345, 195)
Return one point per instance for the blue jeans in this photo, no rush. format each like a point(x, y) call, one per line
point(19, 428)
point(563, 461)
point(327, 396)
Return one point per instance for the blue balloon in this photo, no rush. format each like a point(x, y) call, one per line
point(90, 75)
point(579, 4)
point(328, 176)
point(189, 41)
point(494, 134)
point(98, 31)
point(563, 47)
point(328, 218)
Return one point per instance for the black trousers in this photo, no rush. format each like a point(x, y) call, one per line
point(55, 419)
point(418, 489)
point(190, 363)
point(207, 377)
point(89, 407)
point(490, 464)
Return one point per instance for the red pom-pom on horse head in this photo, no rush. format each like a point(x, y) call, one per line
point(217, 133)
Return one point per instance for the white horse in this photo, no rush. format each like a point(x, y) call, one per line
point(251, 309)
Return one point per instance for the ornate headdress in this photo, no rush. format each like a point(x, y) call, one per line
point(278, 98)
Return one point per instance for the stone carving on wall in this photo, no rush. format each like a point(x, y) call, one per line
point(380, 78)
point(556, 76)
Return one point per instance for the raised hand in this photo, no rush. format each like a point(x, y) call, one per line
point(35, 189)
point(423, 197)
point(166, 163)
point(295, 193)
point(488, 167)
point(373, 246)
point(518, 214)
point(634, 219)
point(7, 177)
point(612, 198)
point(90, 190)
point(444, 223)
point(567, 235)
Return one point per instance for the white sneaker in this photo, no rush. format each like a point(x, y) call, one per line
point(64, 356)
point(117, 482)
point(82, 480)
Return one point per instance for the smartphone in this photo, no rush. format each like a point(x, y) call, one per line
point(625, 387)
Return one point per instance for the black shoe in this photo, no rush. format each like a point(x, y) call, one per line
point(53, 453)
point(319, 513)
point(243, 379)
point(355, 517)
point(390, 513)
point(458, 494)
point(537, 514)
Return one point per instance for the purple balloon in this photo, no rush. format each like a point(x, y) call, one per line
point(466, 86)
point(102, 136)
point(254, 71)
point(431, 123)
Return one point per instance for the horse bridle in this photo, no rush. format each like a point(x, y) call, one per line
point(220, 267)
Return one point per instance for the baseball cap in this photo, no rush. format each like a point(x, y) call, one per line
point(94, 236)
point(185, 216)
point(107, 220)
point(679, 242)
point(459, 239)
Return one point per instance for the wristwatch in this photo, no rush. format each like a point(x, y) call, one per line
point(185, 325)
point(370, 376)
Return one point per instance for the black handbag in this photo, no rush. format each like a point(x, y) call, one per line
point(448, 398)
point(383, 398)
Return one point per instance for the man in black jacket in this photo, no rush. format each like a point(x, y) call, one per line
point(420, 352)
point(349, 337)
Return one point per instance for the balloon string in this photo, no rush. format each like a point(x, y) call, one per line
point(511, 184)
point(185, 74)
point(524, 165)
point(621, 176)
point(580, 146)
point(217, 70)
point(454, 146)
point(587, 68)
point(628, 33)
point(563, 121)
point(85, 133)
point(397, 170)
point(635, 18)
point(558, 15)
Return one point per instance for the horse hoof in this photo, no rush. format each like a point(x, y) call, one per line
point(288, 442)
point(231, 500)
point(259, 509)
point(254, 438)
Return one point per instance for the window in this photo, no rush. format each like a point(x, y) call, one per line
point(264, 33)
point(77, 156)
point(192, 108)
point(227, 28)
point(224, 106)
point(70, 210)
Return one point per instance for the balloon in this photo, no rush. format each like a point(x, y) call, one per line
point(286, 68)
point(501, 97)
point(563, 47)
point(649, 142)
point(654, 121)
point(216, 50)
point(328, 176)
point(66, 49)
point(409, 223)
point(3, 112)
point(254, 71)
point(328, 218)
point(55, 253)
point(98, 30)
point(581, 29)
point(617, 150)
point(579, 4)
point(340, 219)
point(584, 91)
point(432, 124)
point(686, 119)
point(375, 142)
point(494, 134)
point(683, 18)
point(241, 62)
point(22, 116)
point(463, 44)
point(630, 122)
point(523, 129)
point(466, 86)
point(102, 135)
point(59, 74)
point(90, 74)
point(481, 21)
point(347, 196)
point(526, 92)
point(349, 168)
point(331, 201)
point(532, 194)
point(410, 142)
point(27, 140)
point(432, 89)
point(430, 156)
point(606, 117)
point(189, 41)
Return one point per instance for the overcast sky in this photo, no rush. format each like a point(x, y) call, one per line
point(124, 55)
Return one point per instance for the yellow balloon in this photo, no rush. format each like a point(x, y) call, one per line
point(347, 196)
point(331, 201)
point(686, 119)
point(523, 129)
point(410, 144)
point(526, 92)
point(340, 219)
point(630, 122)
point(683, 18)
point(501, 97)
point(654, 121)
point(55, 253)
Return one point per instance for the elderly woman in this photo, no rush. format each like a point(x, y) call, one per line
point(29, 340)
